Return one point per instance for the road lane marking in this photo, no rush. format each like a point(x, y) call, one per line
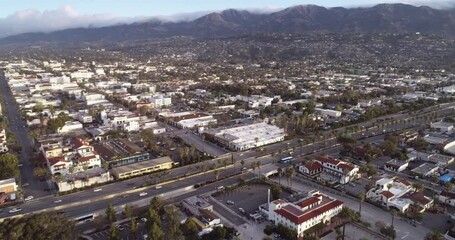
point(405, 235)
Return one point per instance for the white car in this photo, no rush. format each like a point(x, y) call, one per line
point(142, 194)
point(15, 210)
point(144, 219)
point(28, 198)
point(97, 189)
point(58, 201)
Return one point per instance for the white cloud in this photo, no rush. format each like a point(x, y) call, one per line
point(62, 18)
point(437, 4)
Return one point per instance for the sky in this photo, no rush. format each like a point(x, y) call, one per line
point(19, 16)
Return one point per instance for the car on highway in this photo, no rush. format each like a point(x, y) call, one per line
point(14, 210)
point(142, 194)
point(58, 201)
point(97, 189)
point(28, 198)
point(230, 202)
point(25, 184)
point(158, 187)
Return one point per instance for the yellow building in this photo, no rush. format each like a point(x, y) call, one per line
point(141, 168)
point(8, 185)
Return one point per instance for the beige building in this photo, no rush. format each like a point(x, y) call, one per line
point(141, 168)
point(8, 185)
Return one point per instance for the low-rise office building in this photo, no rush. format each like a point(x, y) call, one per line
point(245, 137)
point(120, 152)
point(143, 167)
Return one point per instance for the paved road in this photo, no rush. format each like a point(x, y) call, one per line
point(16, 126)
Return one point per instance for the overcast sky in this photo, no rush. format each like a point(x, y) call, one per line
point(19, 16)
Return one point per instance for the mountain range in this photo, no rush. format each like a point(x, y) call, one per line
point(391, 18)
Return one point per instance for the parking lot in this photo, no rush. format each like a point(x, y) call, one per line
point(249, 198)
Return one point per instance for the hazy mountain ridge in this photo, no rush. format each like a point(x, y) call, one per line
point(392, 18)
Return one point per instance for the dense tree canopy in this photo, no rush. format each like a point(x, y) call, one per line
point(38, 226)
point(8, 166)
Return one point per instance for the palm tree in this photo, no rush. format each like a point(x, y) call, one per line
point(253, 166)
point(348, 216)
point(217, 174)
point(258, 165)
point(361, 198)
point(434, 235)
point(393, 212)
point(280, 172)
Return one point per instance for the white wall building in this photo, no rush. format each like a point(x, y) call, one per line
point(306, 213)
point(442, 126)
point(70, 126)
point(247, 136)
point(345, 170)
point(328, 112)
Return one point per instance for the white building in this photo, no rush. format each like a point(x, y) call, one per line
point(344, 170)
point(121, 120)
point(256, 101)
point(328, 112)
point(306, 213)
point(388, 191)
point(247, 136)
point(70, 126)
point(190, 119)
point(442, 126)
point(84, 117)
point(81, 75)
point(395, 166)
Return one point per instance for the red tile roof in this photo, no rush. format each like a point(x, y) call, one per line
point(298, 216)
point(54, 160)
point(346, 166)
point(313, 166)
point(401, 180)
point(327, 159)
point(278, 201)
point(77, 143)
point(308, 202)
point(387, 194)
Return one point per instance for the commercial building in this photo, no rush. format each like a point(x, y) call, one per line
point(143, 167)
point(328, 112)
point(246, 136)
point(442, 126)
point(120, 152)
point(306, 213)
point(190, 119)
point(87, 178)
point(425, 170)
point(8, 185)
